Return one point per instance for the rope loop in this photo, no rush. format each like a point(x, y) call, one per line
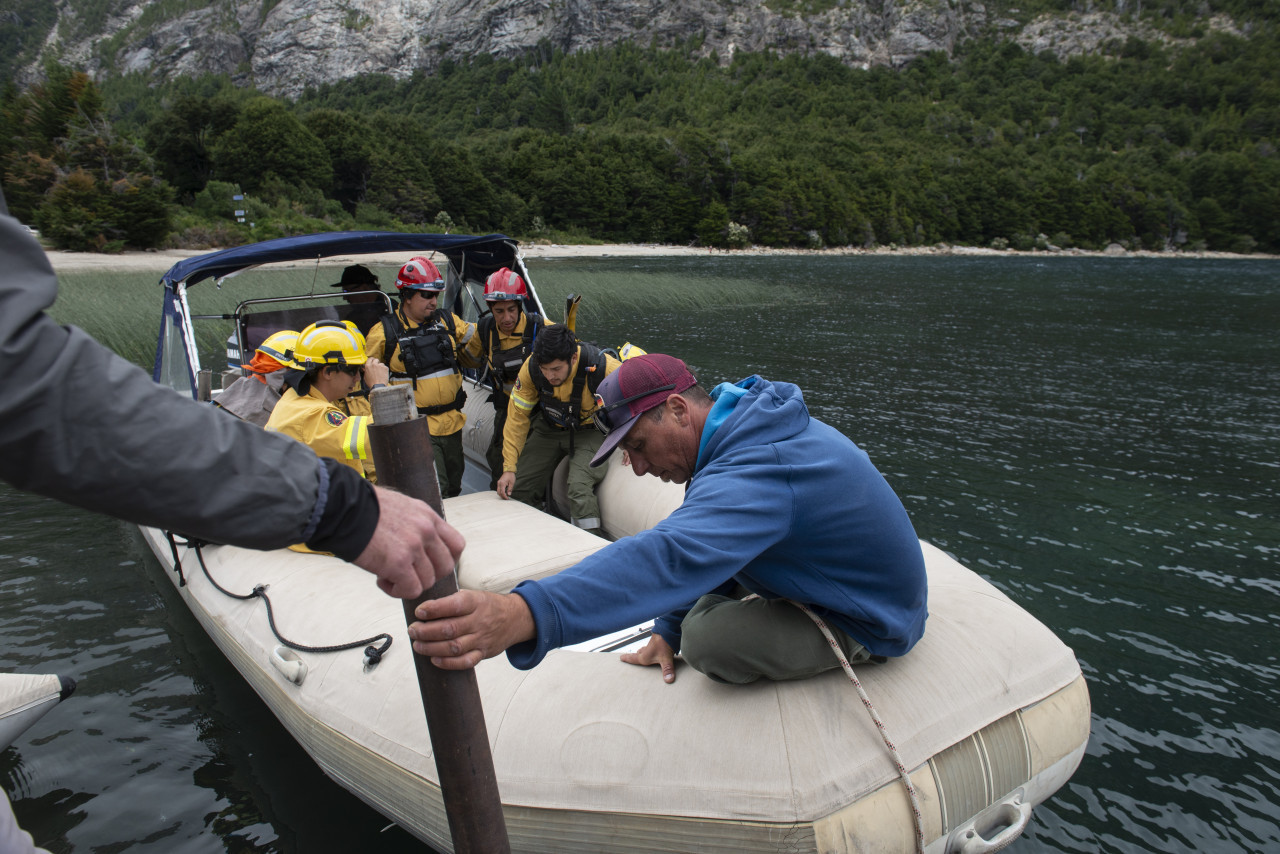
point(372, 654)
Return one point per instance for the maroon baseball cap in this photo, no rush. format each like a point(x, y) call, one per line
point(639, 384)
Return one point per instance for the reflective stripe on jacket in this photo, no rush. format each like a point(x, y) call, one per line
point(325, 428)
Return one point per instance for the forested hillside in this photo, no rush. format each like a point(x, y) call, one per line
point(1145, 145)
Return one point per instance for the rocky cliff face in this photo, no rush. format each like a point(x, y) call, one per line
point(287, 45)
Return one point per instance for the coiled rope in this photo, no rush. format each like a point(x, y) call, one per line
point(372, 654)
point(917, 818)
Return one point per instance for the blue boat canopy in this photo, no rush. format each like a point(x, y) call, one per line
point(482, 254)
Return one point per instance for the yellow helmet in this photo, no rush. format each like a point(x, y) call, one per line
point(329, 342)
point(279, 346)
point(629, 351)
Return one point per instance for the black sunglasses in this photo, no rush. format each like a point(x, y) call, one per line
point(601, 416)
point(349, 370)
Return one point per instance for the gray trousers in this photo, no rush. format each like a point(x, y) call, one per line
point(736, 641)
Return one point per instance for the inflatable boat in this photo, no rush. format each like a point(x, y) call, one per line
point(27, 697)
point(989, 712)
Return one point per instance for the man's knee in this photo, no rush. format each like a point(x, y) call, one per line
point(737, 642)
point(705, 650)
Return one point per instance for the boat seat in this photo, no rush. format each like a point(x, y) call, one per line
point(508, 542)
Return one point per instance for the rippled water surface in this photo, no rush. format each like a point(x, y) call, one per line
point(1098, 437)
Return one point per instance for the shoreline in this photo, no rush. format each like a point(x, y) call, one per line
point(161, 260)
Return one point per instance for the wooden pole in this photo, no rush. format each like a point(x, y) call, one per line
point(405, 462)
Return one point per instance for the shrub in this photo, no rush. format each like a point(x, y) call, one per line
point(74, 216)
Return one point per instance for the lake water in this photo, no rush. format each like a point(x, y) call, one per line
point(1100, 438)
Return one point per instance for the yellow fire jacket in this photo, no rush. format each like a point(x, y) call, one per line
point(436, 389)
point(525, 396)
point(338, 430)
point(504, 347)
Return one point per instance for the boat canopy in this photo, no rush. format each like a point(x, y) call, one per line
point(477, 256)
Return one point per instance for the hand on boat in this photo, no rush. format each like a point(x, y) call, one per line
point(461, 630)
point(656, 651)
point(412, 547)
point(505, 484)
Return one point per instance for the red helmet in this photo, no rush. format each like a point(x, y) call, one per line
point(504, 285)
point(420, 275)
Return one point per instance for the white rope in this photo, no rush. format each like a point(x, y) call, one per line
point(875, 716)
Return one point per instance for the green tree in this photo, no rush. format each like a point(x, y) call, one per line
point(36, 122)
point(66, 168)
point(351, 152)
point(76, 216)
point(400, 183)
point(105, 195)
point(268, 139)
point(713, 228)
point(181, 139)
point(463, 187)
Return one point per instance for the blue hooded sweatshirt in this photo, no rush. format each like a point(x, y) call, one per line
point(778, 502)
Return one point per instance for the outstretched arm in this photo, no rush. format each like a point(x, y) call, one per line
point(82, 425)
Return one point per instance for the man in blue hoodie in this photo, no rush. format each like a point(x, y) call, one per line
point(777, 504)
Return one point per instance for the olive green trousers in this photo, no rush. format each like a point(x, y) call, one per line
point(493, 454)
point(449, 463)
point(543, 450)
point(738, 641)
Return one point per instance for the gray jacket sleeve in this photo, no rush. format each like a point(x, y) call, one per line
point(82, 425)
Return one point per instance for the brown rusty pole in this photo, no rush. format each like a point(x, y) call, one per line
point(451, 698)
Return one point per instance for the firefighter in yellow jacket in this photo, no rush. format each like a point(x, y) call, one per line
point(559, 380)
point(427, 346)
point(506, 333)
point(315, 408)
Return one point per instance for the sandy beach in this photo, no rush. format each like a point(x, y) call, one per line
point(160, 260)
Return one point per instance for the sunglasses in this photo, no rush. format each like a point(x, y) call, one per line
point(349, 370)
point(603, 417)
